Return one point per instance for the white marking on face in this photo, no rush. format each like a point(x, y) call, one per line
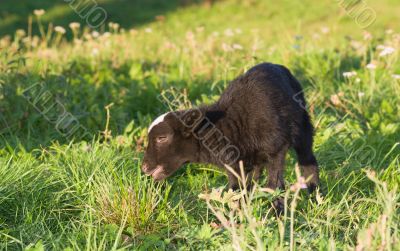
point(157, 121)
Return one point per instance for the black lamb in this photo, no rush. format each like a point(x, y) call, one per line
point(257, 119)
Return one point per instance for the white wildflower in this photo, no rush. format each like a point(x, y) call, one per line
point(148, 30)
point(106, 34)
point(20, 33)
point(59, 29)
point(380, 47)
point(39, 13)
point(229, 33)
point(389, 31)
point(226, 47)
point(95, 52)
point(133, 32)
point(387, 51)
point(325, 30)
point(396, 76)
point(74, 25)
point(361, 94)
point(237, 47)
point(95, 34)
point(113, 26)
point(349, 74)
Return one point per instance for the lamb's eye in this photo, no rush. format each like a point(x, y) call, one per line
point(161, 139)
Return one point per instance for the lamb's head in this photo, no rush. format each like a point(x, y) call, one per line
point(169, 146)
point(175, 138)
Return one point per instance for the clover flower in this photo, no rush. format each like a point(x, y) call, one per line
point(387, 51)
point(367, 35)
point(371, 66)
point(300, 184)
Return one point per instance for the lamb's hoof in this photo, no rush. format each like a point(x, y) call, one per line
point(312, 187)
point(279, 206)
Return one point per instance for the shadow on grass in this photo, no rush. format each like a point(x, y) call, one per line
point(36, 110)
point(128, 13)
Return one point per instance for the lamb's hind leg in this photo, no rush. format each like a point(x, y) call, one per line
point(276, 168)
point(305, 156)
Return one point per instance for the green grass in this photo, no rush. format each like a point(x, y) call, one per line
point(84, 190)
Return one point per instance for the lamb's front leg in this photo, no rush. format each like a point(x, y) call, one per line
point(251, 177)
point(233, 182)
point(276, 167)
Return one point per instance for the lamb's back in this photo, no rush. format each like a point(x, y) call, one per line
point(259, 105)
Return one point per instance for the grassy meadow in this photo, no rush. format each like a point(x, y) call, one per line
point(82, 189)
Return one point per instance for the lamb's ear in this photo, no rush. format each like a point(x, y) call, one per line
point(214, 116)
point(207, 123)
point(194, 120)
point(187, 120)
